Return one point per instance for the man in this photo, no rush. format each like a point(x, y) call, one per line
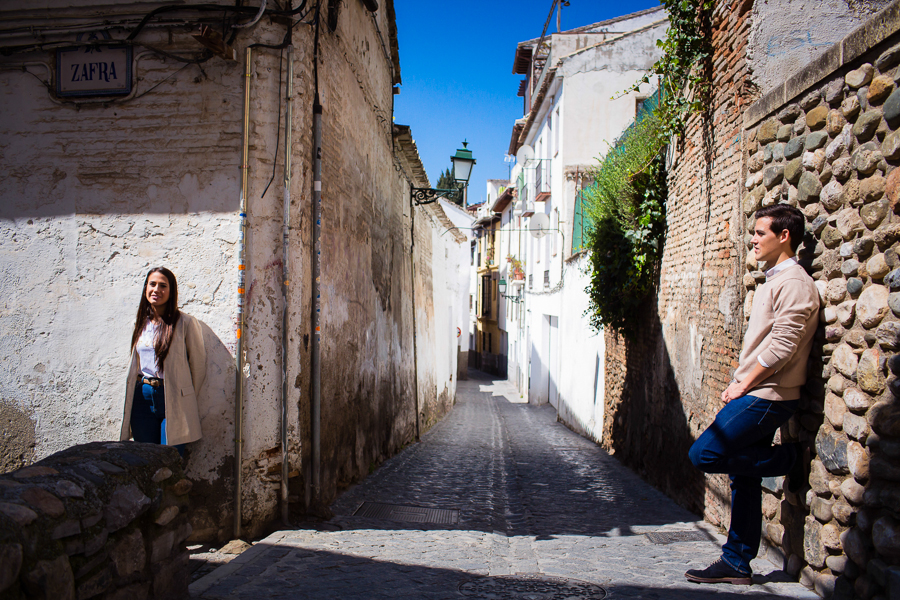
point(764, 393)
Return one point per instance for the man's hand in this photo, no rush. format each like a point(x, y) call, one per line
point(737, 389)
point(734, 390)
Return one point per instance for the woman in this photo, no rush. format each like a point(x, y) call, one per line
point(168, 366)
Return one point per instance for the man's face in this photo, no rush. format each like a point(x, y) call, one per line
point(766, 243)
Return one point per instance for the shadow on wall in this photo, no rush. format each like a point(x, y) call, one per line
point(210, 460)
point(645, 425)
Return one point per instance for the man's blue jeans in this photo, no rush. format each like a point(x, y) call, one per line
point(739, 443)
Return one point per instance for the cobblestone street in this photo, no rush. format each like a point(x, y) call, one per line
point(538, 507)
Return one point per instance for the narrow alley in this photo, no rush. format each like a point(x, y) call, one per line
point(522, 507)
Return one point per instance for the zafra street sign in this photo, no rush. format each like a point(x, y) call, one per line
point(93, 71)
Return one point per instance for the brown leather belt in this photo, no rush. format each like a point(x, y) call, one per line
point(154, 381)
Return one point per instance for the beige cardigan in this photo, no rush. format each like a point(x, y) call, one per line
point(782, 325)
point(184, 371)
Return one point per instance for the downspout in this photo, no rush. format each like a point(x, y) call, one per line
point(315, 350)
point(285, 284)
point(412, 271)
point(242, 253)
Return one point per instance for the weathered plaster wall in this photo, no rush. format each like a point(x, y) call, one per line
point(582, 366)
point(787, 34)
point(95, 195)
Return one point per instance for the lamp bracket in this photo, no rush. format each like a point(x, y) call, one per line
point(428, 195)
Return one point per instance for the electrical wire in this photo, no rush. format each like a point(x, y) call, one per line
point(278, 127)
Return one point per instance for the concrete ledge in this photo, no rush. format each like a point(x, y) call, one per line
point(858, 42)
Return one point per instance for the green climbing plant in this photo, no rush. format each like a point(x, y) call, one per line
point(626, 203)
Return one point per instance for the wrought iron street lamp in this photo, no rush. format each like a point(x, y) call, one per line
point(462, 169)
point(501, 287)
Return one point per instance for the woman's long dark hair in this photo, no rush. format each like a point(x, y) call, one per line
point(145, 313)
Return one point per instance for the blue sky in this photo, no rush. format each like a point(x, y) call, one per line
point(456, 63)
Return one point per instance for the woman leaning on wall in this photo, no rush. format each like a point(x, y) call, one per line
point(168, 366)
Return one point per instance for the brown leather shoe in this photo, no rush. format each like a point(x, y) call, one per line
point(718, 572)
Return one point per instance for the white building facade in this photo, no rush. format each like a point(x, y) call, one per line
point(575, 108)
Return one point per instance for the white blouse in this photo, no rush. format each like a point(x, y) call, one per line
point(146, 351)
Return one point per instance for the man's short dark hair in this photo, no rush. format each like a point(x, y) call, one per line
point(785, 216)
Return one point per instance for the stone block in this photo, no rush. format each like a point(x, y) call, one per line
point(852, 491)
point(877, 267)
point(850, 267)
point(128, 556)
point(808, 187)
point(850, 107)
point(888, 335)
point(10, 564)
point(849, 222)
point(772, 175)
point(854, 286)
point(18, 513)
point(845, 361)
point(858, 461)
point(835, 409)
point(161, 547)
point(815, 118)
point(39, 471)
point(814, 550)
point(65, 529)
point(814, 161)
point(887, 235)
point(831, 447)
point(878, 570)
point(866, 125)
point(865, 158)
point(768, 131)
point(886, 538)
point(171, 578)
point(162, 474)
point(856, 546)
point(873, 214)
point(832, 195)
point(182, 487)
point(51, 579)
point(44, 501)
point(855, 426)
point(869, 376)
point(872, 305)
point(824, 585)
point(859, 77)
point(94, 585)
point(842, 511)
point(879, 89)
point(125, 505)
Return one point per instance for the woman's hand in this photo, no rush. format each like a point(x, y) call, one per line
point(734, 390)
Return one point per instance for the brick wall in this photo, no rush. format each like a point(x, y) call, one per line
point(662, 388)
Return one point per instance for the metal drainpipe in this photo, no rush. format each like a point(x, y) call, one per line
point(285, 284)
point(316, 363)
point(412, 266)
point(242, 252)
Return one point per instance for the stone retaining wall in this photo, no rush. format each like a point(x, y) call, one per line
point(828, 141)
point(105, 520)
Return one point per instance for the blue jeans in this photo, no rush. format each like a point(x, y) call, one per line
point(739, 443)
point(148, 415)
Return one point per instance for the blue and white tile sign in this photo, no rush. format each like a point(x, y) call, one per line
point(93, 71)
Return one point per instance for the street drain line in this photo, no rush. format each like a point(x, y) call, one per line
point(670, 537)
point(411, 514)
point(528, 587)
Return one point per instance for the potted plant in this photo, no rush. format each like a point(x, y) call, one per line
point(517, 267)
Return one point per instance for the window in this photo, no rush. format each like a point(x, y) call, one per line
point(486, 295)
point(490, 344)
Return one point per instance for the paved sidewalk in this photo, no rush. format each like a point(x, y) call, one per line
point(543, 513)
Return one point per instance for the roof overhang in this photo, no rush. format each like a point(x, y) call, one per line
point(503, 200)
point(522, 61)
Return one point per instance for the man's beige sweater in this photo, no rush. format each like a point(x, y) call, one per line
point(782, 325)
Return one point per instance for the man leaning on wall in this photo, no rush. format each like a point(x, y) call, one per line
point(764, 393)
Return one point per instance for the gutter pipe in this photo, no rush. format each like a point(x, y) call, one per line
point(242, 254)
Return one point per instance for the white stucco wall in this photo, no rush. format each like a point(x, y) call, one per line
point(787, 34)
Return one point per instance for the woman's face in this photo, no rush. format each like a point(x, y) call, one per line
point(157, 291)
